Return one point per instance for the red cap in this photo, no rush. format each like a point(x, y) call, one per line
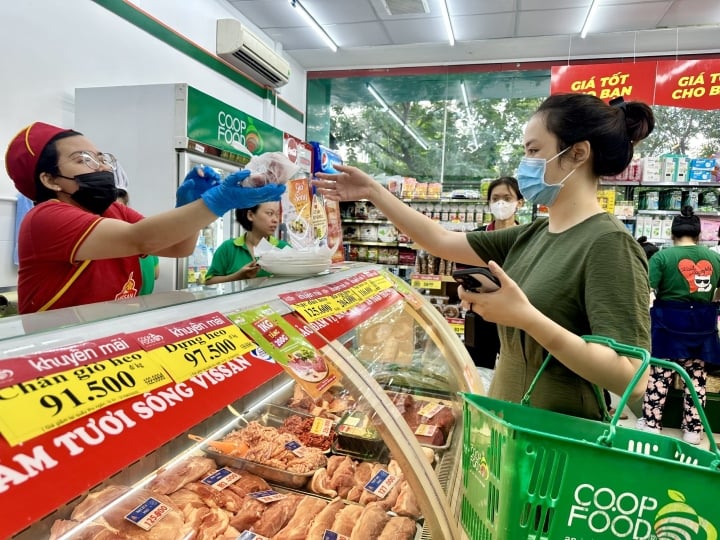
point(23, 153)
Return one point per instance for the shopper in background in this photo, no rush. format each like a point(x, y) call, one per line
point(684, 321)
point(504, 200)
point(649, 248)
point(78, 245)
point(577, 272)
point(235, 259)
point(149, 264)
point(716, 248)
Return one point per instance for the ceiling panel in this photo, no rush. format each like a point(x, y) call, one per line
point(474, 7)
point(407, 32)
point(485, 30)
point(689, 12)
point(636, 16)
point(547, 22)
point(476, 27)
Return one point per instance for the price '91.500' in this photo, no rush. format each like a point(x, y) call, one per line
point(97, 388)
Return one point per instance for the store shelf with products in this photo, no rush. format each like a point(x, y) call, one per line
point(369, 237)
point(359, 340)
point(653, 204)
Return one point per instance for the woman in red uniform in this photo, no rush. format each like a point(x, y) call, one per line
point(77, 245)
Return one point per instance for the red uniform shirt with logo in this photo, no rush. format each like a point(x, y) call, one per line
point(49, 277)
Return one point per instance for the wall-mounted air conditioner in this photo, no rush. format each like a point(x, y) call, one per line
point(247, 52)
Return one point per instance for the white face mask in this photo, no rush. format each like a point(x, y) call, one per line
point(502, 209)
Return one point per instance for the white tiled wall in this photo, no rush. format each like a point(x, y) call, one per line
point(8, 270)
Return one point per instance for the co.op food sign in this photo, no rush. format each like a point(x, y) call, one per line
point(231, 130)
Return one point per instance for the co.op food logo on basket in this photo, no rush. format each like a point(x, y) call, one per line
point(631, 516)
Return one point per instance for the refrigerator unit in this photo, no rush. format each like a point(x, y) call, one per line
point(158, 133)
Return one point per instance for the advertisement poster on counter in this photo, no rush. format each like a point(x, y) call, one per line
point(303, 360)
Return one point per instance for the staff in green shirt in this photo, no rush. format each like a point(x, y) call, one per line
point(235, 258)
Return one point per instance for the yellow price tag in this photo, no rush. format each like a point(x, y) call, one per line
point(317, 308)
point(321, 426)
point(34, 407)
point(346, 299)
point(458, 328)
point(381, 283)
point(364, 290)
point(186, 358)
point(426, 283)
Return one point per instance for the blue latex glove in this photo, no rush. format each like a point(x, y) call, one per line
point(196, 182)
point(230, 194)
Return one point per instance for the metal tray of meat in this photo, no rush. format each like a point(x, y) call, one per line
point(272, 415)
point(268, 415)
point(271, 474)
point(434, 398)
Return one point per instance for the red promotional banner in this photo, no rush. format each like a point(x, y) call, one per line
point(24, 368)
point(693, 84)
point(46, 472)
point(633, 82)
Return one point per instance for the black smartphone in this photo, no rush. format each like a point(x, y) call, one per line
point(478, 279)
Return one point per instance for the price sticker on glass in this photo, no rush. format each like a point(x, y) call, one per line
point(36, 406)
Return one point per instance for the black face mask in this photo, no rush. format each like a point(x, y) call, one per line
point(96, 191)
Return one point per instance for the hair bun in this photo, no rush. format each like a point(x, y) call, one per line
point(639, 120)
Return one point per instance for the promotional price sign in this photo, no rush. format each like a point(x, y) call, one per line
point(30, 408)
point(694, 84)
point(41, 364)
point(66, 462)
point(423, 281)
point(631, 81)
point(300, 358)
point(192, 346)
point(338, 307)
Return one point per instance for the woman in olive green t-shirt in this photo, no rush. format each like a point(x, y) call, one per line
point(577, 272)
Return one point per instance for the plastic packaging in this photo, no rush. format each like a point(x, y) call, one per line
point(270, 168)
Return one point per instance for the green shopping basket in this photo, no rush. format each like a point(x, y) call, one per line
point(535, 474)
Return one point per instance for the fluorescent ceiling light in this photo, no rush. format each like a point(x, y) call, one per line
point(464, 95)
point(591, 13)
point(394, 115)
point(448, 24)
point(312, 22)
point(467, 109)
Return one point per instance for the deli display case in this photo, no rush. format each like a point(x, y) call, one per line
point(319, 407)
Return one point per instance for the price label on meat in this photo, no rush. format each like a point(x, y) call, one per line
point(148, 513)
point(39, 405)
point(309, 366)
point(192, 346)
point(221, 479)
point(381, 483)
